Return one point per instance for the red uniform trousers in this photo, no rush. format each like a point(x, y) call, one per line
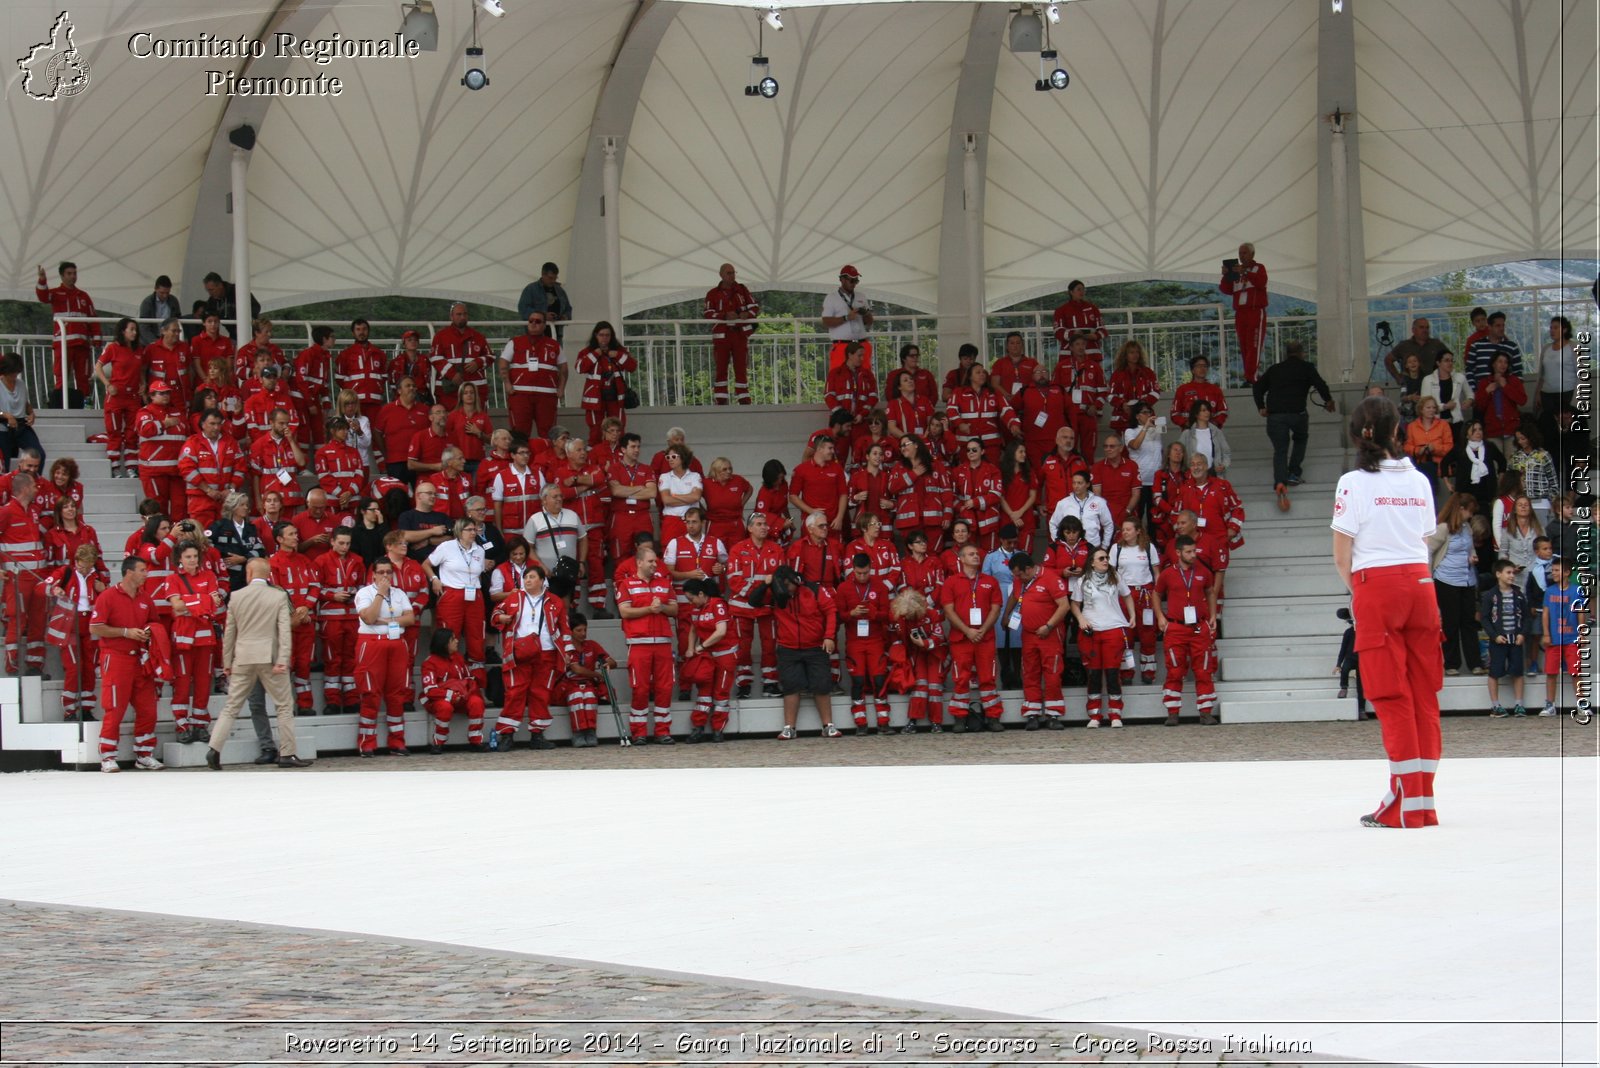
point(531, 410)
point(167, 487)
point(1250, 324)
point(465, 618)
point(122, 440)
point(191, 687)
point(620, 530)
point(746, 628)
point(1102, 652)
point(672, 526)
point(1143, 633)
point(927, 698)
point(123, 681)
point(1189, 648)
point(712, 702)
point(593, 417)
point(77, 668)
point(650, 680)
point(582, 701)
point(597, 566)
point(382, 673)
point(973, 668)
point(530, 676)
point(339, 661)
point(1086, 425)
point(303, 641)
point(27, 608)
point(1042, 662)
point(866, 660)
point(80, 359)
point(1400, 642)
point(203, 509)
point(734, 347)
point(442, 711)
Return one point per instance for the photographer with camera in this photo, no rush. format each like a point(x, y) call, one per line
point(806, 619)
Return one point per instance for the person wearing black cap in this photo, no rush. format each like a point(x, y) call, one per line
point(848, 317)
point(1038, 604)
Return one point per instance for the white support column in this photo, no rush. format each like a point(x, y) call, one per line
point(611, 209)
point(1344, 350)
point(239, 202)
point(961, 262)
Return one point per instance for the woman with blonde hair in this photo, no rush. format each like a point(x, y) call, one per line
point(917, 645)
point(1133, 382)
point(359, 436)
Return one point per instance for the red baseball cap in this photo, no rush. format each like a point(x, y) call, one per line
point(848, 271)
point(159, 386)
point(408, 333)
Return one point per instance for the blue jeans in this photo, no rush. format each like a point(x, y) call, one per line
point(1286, 459)
point(14, 441)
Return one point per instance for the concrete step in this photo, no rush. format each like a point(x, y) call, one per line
point(1272, 618)
point(240, 748)
point(1314, 576)
point(1315, 646)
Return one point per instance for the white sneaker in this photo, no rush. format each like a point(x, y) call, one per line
point(148, 763)
point(1549, 709)
point(1116, 721)
point(787, 734)
point(830, 731)
point(109, 764)
point(1095, 722)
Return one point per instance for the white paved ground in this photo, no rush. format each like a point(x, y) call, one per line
point(1199, 898)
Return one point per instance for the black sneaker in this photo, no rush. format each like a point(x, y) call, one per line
point(716, 736)
point(696, 736)
point(861, 730)
point(664, 739)
point(435, 749)
point(1055, 724)
point(770, 689)
point(744, 691)
point(909, 728)
point(1369, 820)
point(539, 741)
point(959, 726)
point(1032, 724)
point(934, 728)
point(996, 725)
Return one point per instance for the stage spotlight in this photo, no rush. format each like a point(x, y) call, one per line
point(1053, 12)
point(775, 19)
point(421, 25)
point(492, 7)
point(1027, 32)
point(1059, 79)
point(762, 83)
point(477, 71)
point(1051, 74)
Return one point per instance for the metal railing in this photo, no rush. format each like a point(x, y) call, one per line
point(788, 356)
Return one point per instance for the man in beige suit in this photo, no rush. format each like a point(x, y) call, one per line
point(256, 646)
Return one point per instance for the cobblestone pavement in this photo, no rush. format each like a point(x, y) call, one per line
point(153, 990)
point(1476, 736)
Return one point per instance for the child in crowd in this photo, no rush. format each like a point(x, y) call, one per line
point(1565, 614)
point(1348, 663)
point(1503, 611)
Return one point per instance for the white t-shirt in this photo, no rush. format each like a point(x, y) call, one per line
point(1148, 455)
point(360, 439)
point(836, 306)
point(1203, 444)
point(1558, 369)
point(396, 605)
point(456, 567)
point(1389, 513)
point(1101, 601)
point(683, 485)
point(1135, 566)
point(531, 620)
point(553, 536)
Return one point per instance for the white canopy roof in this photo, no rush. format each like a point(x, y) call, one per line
point(1190, 125)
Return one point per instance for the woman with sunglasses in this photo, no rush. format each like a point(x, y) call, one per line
point(1103, 606)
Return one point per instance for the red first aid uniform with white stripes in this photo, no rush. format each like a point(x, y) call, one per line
point(686, 555)
point(68, 631)
point(865, 654)
point(23, 560)
point(448, 688)
point(310, 379)
point(1189, 637)
point(731, 340)
point(1132, 384)
point(383, 667)
point(126, 675)
point(855, 391)
point(162, 364)
point(629, 515)
point(196, 643)
point(970, 599)
point(1079, 317)
point(1085, 382)
point(923, 503)
point(711, 705)
point(361, 369)
point(533, 368)
point(340, 472)
point(1218, 511)
point(1387, 514)
point(297, 576)
point(205, 465)
point(588, 503)
point(459, 355)
point(273, 463)
point(1042, 658)
point(579, 693)
point(649, 654)
point(70, 300)
point(604, 387)
point(984, 416)
point(162, 432)
point(924, 645)
point(885, 559)
point(1042, 410)
point(978, 493)
point(535, 634)
point(747, 562)
point(1189, 393)
point(516, 491)
point(125, 368)
point(244, 361)
point(1249, 292)
point(336, 620)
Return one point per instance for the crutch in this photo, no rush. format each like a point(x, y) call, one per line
point(613, 695)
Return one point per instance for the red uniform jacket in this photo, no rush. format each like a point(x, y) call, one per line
point(854, 391)
point(1079, 317)
point(1187, 394)
point(533, 364)
point(205, 465)
point(982, 489)
point(602, 371)
point(821, 564)
point(746, 561)
point(339, 574)
point(641, 593)
point(1132, 384)
point(459, 357)
point(723, 304)
point(361, 368)
point(159, 444)
point(810, 617)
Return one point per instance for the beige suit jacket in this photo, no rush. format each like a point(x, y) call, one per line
point(258, 627)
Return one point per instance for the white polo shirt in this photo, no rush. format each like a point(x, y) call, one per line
point(458, 568)
point(1389, 513)
point(395, 606)
point(837, 306)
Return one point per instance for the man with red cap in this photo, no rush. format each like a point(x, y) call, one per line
point(848, 317)
point(729, 303)
point(160, 427)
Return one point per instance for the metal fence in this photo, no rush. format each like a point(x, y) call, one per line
point(788, 357)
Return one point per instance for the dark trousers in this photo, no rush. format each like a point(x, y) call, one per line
point(1282, 428)
point(1458, 607)
point(14, 441)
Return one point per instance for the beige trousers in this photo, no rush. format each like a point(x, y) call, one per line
point(278, 687)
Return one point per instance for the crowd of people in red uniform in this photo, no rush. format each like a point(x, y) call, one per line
point(934, 520)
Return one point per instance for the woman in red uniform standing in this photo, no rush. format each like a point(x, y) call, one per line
point(1382, 515)
point(121, 370)
point(196, 600)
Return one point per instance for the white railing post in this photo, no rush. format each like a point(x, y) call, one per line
point(66, 372)
point(797, 377)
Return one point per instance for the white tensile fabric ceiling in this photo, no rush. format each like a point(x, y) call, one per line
point(1189, 125)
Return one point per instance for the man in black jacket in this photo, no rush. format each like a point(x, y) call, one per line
point(1281, 399)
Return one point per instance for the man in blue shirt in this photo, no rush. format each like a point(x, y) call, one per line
point(1007, 643)
point(1566, 609)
